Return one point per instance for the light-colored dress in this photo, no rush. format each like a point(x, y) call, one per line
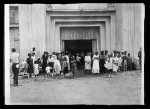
point(36, 71)
point(87, 60)
point(95, 68)
point(68, 61)
point(115, 64)
point(57, 66)
point(48, 69)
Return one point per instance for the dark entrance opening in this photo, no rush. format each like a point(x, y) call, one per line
point(78, 46)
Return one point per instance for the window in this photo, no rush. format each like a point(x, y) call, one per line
point(13, 12)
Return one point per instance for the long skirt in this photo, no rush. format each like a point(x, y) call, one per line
point(95, 68)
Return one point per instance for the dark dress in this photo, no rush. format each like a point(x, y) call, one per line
point(102, 62)
point(44, 63)
point(129, 63)
point(30, 66)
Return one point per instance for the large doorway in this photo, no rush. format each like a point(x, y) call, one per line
point(78, 46)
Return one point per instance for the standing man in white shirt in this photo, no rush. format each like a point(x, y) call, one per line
point(15, 65)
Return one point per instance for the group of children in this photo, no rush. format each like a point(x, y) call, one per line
point(117, 62)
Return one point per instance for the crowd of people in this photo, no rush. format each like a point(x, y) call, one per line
point(57, 64)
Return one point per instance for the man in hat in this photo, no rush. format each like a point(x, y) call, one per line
point(15, 65)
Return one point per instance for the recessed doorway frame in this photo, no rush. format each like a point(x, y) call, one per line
point(96, 40)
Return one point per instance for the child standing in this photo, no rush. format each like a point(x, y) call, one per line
point(73, 65)
point(36, 70)
point(50, 63)
point(48, 70)
point(30, 65)
point(115, 63)
point(57, 67)
point(65, 64)
point(108, 66)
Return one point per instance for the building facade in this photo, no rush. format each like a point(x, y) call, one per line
point(90, 27)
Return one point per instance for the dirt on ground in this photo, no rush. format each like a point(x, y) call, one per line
point(124, 88)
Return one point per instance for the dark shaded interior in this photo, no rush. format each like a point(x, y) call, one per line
point(78, 46)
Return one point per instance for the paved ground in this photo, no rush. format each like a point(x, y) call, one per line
point(123, 88)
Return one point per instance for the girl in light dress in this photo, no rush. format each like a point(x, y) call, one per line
point(36, 69)
point(57, 67)
point(115, 63)
point(95, 68)
point(87, 60)
point(108, 65)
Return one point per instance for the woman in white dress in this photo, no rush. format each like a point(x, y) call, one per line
point(87, 60)
point(95, 68)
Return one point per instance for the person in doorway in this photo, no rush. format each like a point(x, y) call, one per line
point(15, 66)
point(87, 60)
point(95, 68)
point(30, 65)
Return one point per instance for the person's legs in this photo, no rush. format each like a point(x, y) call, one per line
point(140, 63)
point(15, 72)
